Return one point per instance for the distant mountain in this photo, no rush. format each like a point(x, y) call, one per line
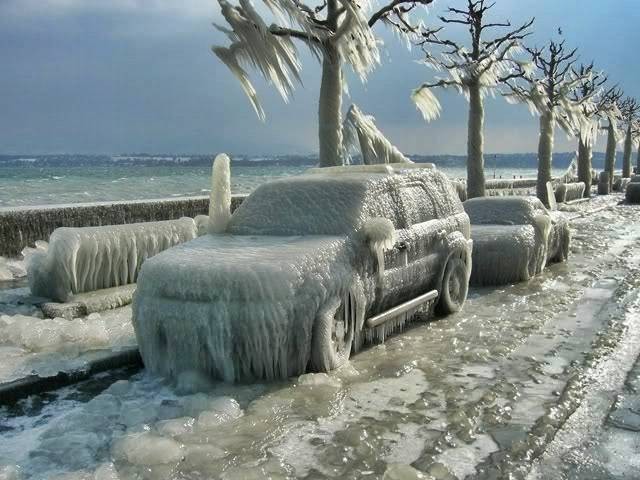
point(500, 160)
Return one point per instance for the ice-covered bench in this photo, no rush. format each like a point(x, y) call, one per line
point(632, 193)
point(567, 192)
point(85, 259)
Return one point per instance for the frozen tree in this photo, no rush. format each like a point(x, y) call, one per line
point(361, 133)
point(593, 102)
point(335, 31)
point(637, 137)
point(549, 94)
point(630, 109)
point(611, 103)
point(474, 70)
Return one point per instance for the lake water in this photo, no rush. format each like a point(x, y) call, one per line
point(34, 183)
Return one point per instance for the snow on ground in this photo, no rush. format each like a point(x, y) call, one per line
point(479, 394)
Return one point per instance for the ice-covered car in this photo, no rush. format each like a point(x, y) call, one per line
point(514, 238)
point(309, 269)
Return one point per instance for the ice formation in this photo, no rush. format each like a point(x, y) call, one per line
point(360, 133)
point(502, 254)
point(96, 331)
point(381, 235)
point(567, 192)
point(514, 238)
point(91, 258)
point(244, 305)
point(11, 269)
point(220, 202)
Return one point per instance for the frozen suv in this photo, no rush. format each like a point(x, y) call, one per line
point(310, 268)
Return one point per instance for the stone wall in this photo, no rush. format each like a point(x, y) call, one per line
point(22, 226)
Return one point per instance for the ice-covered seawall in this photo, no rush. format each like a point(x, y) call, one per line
point(22, 226)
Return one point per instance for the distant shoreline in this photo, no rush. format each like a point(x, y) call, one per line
point(492, 161)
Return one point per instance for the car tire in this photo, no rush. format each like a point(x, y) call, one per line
point(333, 334)
point(455, 286)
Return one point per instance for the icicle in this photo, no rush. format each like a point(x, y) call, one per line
point(381, 235)
point(427, 103)
point(220, 199)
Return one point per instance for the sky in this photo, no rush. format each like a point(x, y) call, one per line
point(116, 76)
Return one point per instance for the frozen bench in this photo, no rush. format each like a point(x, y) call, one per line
point(86, 259)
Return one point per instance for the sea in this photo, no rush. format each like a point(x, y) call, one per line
point(64, 179)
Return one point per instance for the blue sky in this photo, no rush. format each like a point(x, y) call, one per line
point(110, 76)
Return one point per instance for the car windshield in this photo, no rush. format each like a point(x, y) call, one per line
point(314, 205)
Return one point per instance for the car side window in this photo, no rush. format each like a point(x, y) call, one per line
point(384, 203)
point(418, 204)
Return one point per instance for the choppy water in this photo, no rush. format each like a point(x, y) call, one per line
point(31, 183)
point(480, 394)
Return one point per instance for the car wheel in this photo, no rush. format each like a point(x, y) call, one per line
point(333, 334)
point(455, 286)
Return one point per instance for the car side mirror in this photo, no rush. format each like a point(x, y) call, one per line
point(380, 235)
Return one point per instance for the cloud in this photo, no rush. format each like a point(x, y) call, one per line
point(38, 8)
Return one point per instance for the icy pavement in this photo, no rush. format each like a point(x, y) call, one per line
point(533, 381)
point(31, 344)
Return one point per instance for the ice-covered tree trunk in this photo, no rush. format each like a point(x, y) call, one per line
point(626, 159)
point(545, 151)
point(610, 155)
point(638, 160)
point(329, 109)
point(585, 153)
point(475, 143)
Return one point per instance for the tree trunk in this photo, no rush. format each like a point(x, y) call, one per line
point(475, 144)
point(329, 109)
point(610, 156)
point(545, 151)
point(585, 152)
point(626, 159)
point(638, 161)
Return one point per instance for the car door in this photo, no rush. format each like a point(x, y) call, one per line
point(416, 260)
